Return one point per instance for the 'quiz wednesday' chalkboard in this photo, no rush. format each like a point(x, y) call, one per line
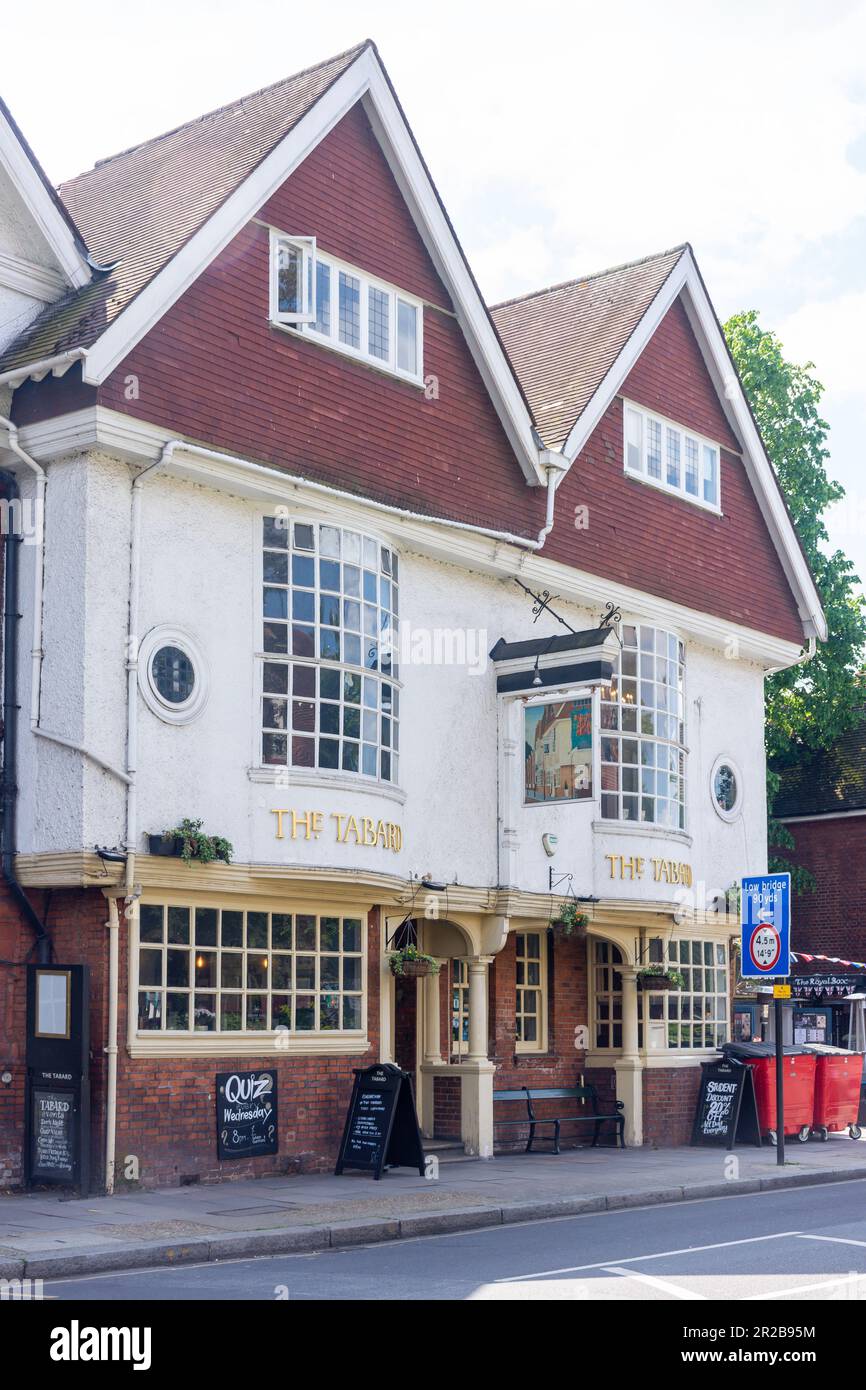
point(381, 1127)
point(246, 1106)
point(727, 1111)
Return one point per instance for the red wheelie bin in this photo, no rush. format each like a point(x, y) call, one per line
point(837, 1090)
point(799, 1079)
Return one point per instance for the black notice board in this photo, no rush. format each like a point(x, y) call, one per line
point(381, 1129)
point(54, 1127)
point(727, 1111)
point(246, 1114)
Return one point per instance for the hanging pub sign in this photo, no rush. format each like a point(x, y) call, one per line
point(557, 740)
point(381, 1129)
point(57, 1091)
point(727, 1111)
point(246, 1114)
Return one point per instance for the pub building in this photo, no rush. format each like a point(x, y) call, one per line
point(444, 616)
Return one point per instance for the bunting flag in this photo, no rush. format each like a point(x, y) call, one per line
point(834, 960)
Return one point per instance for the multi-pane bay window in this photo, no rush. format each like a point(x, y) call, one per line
point(643, 731)
point(329, 602)
point(214, 970)
point(671, 457)
point(343, 307)
point(694, 1016)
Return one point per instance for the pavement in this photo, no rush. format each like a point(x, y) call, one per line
point(44, 1236)
point(792, 1244)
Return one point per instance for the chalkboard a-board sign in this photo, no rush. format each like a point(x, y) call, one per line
point(53, 1135)
point(727, 1111)
point(246, 1104)
point(381, 1129)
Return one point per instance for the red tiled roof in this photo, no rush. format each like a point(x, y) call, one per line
point(562, 341)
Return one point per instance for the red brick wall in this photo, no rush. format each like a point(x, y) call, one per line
point(76, 923)
point(406, 1023)
point(670, 1095)
point(166, 1114)
point(831, 920)
point(446, 1107)
point(658, 543)
point(562, 1064)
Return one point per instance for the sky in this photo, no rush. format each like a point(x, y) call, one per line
point(563, 136)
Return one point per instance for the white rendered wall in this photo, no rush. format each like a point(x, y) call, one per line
point(200, 573)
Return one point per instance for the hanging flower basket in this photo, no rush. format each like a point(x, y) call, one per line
point(412, 964)
point(568, 919)
point(656, 978)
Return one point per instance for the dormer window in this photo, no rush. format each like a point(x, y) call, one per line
point(667, 456)
point(341, 307)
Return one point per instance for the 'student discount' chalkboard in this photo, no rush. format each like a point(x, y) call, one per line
point(727, 1112)
point(381, 1129)
point(53, 1135)
point(246, 1114)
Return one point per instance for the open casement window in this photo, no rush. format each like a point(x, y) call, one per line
point(293, 269)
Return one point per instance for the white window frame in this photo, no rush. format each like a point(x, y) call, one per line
point(172, 712)
point(459, 993)
point(306, 246)
point(655, 1042)
point(538, 1044)
point(684, 432)
point(238, 1042)
point(315, 774)
point(305, 322)
point(724, 761)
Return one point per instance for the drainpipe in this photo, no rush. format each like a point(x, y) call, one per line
point(802, 660)
point(555, 466)
point(113, 925)
point(9, 779)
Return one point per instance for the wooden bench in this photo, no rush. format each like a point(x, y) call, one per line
point(592, 1116)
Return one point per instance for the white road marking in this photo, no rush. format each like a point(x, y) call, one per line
point(835, 1240)
point(635, 1259)
point(663, 1284)
point(803, 1288)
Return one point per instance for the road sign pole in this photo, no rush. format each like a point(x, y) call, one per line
point(780, 1085)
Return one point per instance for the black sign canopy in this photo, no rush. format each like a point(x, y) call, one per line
point(381, 1129)
point(727, 1111)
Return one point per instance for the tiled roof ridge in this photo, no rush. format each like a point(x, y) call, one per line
point(595, 275)
point(219, 110)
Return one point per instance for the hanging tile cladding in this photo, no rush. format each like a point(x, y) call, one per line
point(652, 541)
point(214, 369)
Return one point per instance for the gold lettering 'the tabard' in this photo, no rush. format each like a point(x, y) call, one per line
point(348, 830)
point(663, 870)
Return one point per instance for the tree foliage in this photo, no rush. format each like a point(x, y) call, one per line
point(807, 706)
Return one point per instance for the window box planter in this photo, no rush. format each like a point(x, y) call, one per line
point(188, 842)
point(168, 846)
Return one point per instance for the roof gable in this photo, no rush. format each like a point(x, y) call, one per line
point(621, 310)
point(564, 340)
point(286, 123)
point(23, 174)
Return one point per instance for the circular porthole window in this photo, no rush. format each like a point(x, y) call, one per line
point(171, 675)
point(726, 788)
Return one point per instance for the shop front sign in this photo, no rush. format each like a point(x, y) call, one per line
point(637, 868)
point(344, 829)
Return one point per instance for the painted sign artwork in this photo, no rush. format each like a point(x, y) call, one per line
point(558, 750)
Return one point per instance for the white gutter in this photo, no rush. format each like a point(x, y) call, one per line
point(554, 464)
point(802, 660)
point(57, 365)
point(36, 652)
point(113, 925)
